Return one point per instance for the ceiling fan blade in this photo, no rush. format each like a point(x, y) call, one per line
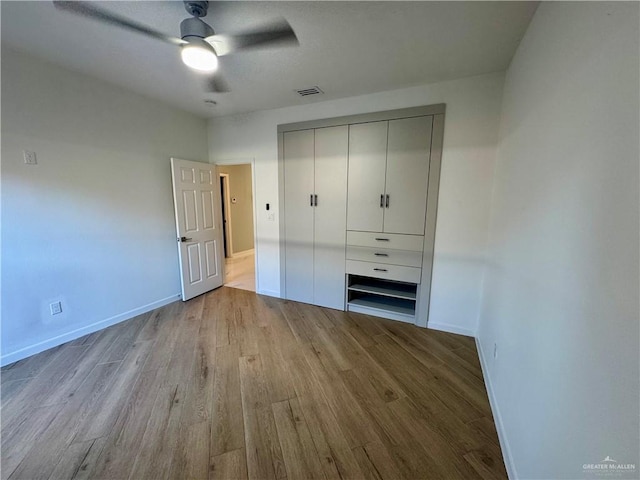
point(277, 32)
point(216, 84)
point(86, 9)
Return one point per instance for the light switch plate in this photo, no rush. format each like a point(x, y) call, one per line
point(56, 308)
point(30, 158)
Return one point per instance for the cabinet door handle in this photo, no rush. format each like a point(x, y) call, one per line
point(380, 269)
point(387, 202)
point(381, 201)
point(315, 200)
point(382, 239)
point(381, 254)
point(311, 200)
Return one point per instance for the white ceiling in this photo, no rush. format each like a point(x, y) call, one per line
point(346, 48)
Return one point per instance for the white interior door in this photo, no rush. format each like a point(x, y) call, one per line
point(367, 160)
point(196, 197)
point(331, 149)
point(298, 215)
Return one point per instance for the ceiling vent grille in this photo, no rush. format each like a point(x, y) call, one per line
point(304, 92)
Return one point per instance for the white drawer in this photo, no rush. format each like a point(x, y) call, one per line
point(382, 270)
point(385, 255)
point(394, 241)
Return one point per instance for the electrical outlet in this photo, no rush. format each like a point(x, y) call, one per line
point(30, 157)
point(495, 350)
point(55, 307)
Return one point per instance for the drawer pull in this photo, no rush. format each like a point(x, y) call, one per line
point(381, 254)
point(382, 239)
point(380, 270)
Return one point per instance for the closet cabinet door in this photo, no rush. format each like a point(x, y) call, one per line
point(331, 150)
point(367, 159)
point(298, 215)
point(407, 176)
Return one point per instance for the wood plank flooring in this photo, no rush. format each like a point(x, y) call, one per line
point(234, 385)
point(240, 271)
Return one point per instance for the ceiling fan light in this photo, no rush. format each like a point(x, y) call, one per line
point(199, 56)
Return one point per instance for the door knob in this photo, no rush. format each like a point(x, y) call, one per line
point(184, 239)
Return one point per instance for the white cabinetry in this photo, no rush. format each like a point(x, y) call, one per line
point(358, 198)
point(386, 210)
point(388, 175)
point(315, 190)
point(367, 165)
point(408, 151)
point(299, 215)
point(384, 272)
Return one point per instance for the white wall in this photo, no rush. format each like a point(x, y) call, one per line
point(92, 224)
point(470, 138)
point(561, 290)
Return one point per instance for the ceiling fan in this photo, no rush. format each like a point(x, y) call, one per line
point(200, 46)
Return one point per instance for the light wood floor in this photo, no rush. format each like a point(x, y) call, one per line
point(240, 272)
point(235, 385)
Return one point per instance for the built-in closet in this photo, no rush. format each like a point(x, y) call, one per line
point(358, 199)
point(315, 182)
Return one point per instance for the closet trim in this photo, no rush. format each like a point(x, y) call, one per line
point(365, 118)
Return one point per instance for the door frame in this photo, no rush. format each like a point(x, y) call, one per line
point(252, 163)
point(228, 229)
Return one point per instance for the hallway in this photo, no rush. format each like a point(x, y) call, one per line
point(240, 272)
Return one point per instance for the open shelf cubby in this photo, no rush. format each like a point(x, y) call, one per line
point(384, 298)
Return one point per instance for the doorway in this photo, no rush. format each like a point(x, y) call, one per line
point(236, 192)
point(224, 199)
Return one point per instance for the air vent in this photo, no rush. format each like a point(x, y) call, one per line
point(303, 92)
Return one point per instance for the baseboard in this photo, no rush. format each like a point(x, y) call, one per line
point(445, 327)
point(269, 293)
point(497, 418)
point(82, 331)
